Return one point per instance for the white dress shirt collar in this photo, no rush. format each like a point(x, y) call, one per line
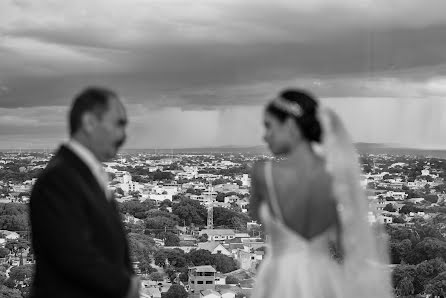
point(90, 160)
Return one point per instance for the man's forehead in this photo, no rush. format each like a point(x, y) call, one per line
point(116, 104)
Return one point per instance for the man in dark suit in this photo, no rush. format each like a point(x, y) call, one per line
point(80, 246)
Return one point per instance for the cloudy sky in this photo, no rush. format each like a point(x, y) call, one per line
point(197, 73)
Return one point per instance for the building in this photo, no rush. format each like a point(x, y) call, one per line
point(201, 278)
point(246, 181)
point(214, 248)
point(253, 225)
point(218, 234)
point(123, 177)
point(396, 195)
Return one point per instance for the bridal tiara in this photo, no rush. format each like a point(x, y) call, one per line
point(292, 108)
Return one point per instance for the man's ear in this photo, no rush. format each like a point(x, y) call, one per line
point(89, 121)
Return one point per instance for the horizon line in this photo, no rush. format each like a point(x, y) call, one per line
point(258, 146)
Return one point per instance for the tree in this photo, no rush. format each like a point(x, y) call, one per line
point(431, 198)
point(389, 207)
point(401, 272)
point(220, 197)
point(201, 257)
point(158, 224)
point(136, 208)
point(7, 292)
point(437, 285)
point(224, 264)
point(406, 209)
point(190, 211)
point(177, 258)
point(229, 218)
point(399, 250)
point(176, 291)
point(427, 249)
point(170, 239)
point(119, 191)
point(429, 230)
point(387, 176)
point(401, 233)
point(232, 280)
point(3, 252)
point(238, 182)
point(158, 175)
point(426, 271)
point(156, 276)
point(160, 258)
point(10, 283)
point(141, 247)
point(219, 181)
point(21, 274)
point(436, 288)
point(405, 287)
point(203, 238)
point(166, 203)
point(135, 194)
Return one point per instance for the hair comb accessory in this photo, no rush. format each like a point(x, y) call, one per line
point(292, 108)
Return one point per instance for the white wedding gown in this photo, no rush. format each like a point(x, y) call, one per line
point(295, 267)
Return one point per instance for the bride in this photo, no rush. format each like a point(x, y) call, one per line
point(310, 201)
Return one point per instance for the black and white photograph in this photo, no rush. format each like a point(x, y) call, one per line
point(222, 149)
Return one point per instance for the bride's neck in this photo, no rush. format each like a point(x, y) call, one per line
point(300, 150)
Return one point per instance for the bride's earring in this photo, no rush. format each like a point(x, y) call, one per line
point(318, 149)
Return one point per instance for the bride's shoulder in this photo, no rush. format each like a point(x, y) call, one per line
point(258, 169)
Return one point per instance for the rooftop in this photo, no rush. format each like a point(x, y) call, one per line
point(204, 268)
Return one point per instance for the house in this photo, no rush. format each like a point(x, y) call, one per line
point(252, 243)
point(396, 205)
point(218, 234)
point(247, 283)
point(420, 213)
point(247, 260)
point(396, 195)
point(214, 248)
point(9, 235)
point(135, 266)
point(242, 235)
point(385, 219)
point(416, 200)
point(234, 247)
point(159, 197)
point(201, 278)
point(231, 199)
point(220, 279)
point(253, 225)
point(187, 240)
point(225, 293)
point(151, 292)
point(226, 290)
point(210, 294)
point(186, 249)
point(131, 219)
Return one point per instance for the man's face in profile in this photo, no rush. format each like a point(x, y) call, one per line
point(109, 134)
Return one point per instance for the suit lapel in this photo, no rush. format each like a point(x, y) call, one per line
point(78, 164)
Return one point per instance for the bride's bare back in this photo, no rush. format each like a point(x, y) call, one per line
point(304, 194)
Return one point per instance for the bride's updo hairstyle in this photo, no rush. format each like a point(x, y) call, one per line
point(302, 107)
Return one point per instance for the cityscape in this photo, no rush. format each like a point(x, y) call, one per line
point(187, 219)
point(181, 95)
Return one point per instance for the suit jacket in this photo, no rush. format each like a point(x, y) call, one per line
point(77, 234)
